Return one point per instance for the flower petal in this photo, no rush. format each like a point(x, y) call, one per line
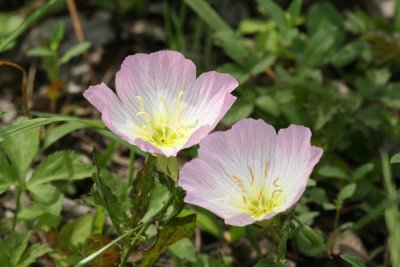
point(210, 98)
point(114, 115)
point(149, 75)
point(247, 163)
point(295, 160)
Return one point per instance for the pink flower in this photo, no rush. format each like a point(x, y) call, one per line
point(161, 107)
point(249, 173)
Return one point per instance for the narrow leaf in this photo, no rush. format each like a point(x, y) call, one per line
point(74, 51)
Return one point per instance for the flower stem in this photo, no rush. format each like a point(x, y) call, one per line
point(144, 227)
point(17, 206)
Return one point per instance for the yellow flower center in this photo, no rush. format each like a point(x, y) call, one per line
point(166, 128)
point(256, 202)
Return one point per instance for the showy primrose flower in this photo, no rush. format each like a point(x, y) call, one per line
point(161, 107)
point(249, 173)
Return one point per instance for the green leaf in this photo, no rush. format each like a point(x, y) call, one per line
point(363, 170)
point(21, 149)
point(173, 231)
point(395, 159)
point(354, 261)
point(55, 133)
point(240, 109)
point(2, 113)
point(141, 189)
point(318, 47)
point(4, 255)
point(56, 36)
point(16, 244)
point(169, 166)
point(74, 51)
point(345, 193)
point(159, 196)
point(333, 172)
point(19, 127)
point(47, 197)
point(269, 263)
point(268, 104)
point(234, 47)
point(40, 52)
point(32, 253)
point(36, 15)
point(7, 174)
point(184, 250)
point(74, 234)
point(294, 8)
point(206, 221)
point(312, 237)
point(274, 11)
point(208, 15)
point(348, 53)
point(61, 165)
point(323, 16)
point(103, 195)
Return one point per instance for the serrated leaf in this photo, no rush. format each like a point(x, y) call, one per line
point(173, 231)
point(354, 261)
point(40, 52)
point(395, 159)
point(61, 165)
point(4, 255)
point(141, 189)
point(7, 175)
point(32, 253)
point(21, 149)
point(74, 51)
point(16, 244)
point(74, 234)
point(156, 201)
point(103, 195)
point(47, 197)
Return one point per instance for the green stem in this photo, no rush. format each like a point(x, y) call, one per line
point(391, 213)
point(17, 206)
point(281, 252)
point(131, 167)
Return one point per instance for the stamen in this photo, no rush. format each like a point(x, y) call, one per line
point(275, 182)
point(266, 169)
point(276, 191)
point(251, 174)
point(164, 102)
point(238, 182)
